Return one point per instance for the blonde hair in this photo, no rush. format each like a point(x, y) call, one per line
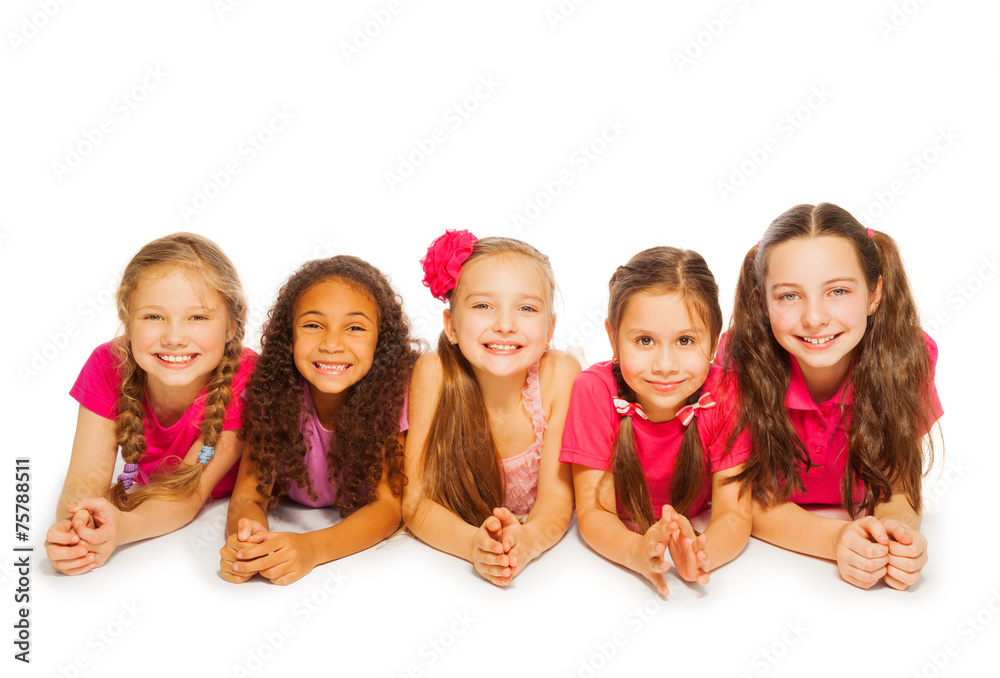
point(461, 459)
point(202, 259)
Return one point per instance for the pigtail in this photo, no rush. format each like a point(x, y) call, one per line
point(689, 469)
point(762, 371)
point(631, 486)
point(891, 382)
point(461, 458)
point(130, 421)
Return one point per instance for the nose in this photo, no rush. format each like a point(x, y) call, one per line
point(665, 360)
point(174, 334)
point(815, 313)
point(503, 321)
point(332, 342)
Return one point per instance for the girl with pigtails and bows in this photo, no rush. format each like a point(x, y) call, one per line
point(832, 381)
point(486, 411)
point(642, 434)
point(167, 392)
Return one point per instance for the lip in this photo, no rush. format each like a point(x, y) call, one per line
point(801, 339)
point(665, 386)
point(176, 365)
point(331, 369)
point(502, 351)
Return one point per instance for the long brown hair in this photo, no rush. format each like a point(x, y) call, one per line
point(890, 375)
point(201, 259)
point(461, 460)
point(367, 424)
point(660, 270)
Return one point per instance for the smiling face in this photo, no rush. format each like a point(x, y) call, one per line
point(178, 329)
point(500, 315)
point(335, 331)
point(818, 304)
point(664, 354)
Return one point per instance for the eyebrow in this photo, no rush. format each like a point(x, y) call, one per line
point(847, 279)
point(323, 315)
point(523, 296)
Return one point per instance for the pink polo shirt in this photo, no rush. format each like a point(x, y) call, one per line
point(592, 424)
point(823, 430)
point(97, 389)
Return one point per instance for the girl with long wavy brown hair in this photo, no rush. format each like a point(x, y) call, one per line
point(325, 421)
point(168, 393)
point(641, 431)
point(487, 410)
point(833, 381)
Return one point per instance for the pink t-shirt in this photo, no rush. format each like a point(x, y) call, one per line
point(592, 424)
point(317, 439)
point(823, 430)
point(97, 389)
point(521, 470)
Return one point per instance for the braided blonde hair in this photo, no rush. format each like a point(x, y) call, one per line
point(201, 258)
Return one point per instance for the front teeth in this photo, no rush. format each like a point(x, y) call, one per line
point(501, 347)
point(331, 366)
point(176, 358)
point(821, 340)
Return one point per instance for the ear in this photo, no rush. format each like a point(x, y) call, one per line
point(611, 338)
point(232, 331)
point(449, 326)
point(876, 297)
point(552, 330)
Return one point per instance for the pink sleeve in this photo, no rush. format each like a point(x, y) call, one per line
point(932, 394)
point(591, 424)
point(716, 425)
point(234, 412)
point(97, 386)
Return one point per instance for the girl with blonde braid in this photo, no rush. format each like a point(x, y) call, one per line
point(167, 392)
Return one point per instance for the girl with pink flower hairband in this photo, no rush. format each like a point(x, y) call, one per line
point(486, 412)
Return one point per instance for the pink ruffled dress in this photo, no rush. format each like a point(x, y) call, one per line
point(521, 470)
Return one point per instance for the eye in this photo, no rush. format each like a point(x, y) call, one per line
point(356, 328)
point(787, 296)
point(527, 309)
point(644, 341)
point(311, 326)
point(839, 292)
point(482, 306)
point(686, 341)
point(152, 316)
point(199, 317)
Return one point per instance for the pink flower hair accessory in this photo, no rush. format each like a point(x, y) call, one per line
point(444, 260)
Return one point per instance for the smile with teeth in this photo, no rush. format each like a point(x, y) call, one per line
point(819, 340)
point(175, 358)
point(332, 367)
point(502, 347)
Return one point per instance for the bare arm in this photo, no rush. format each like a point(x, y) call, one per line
point(732, 518)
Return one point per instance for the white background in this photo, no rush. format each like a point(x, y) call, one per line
point(700, 94)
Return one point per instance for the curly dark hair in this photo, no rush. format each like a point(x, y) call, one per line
point(367, 424)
